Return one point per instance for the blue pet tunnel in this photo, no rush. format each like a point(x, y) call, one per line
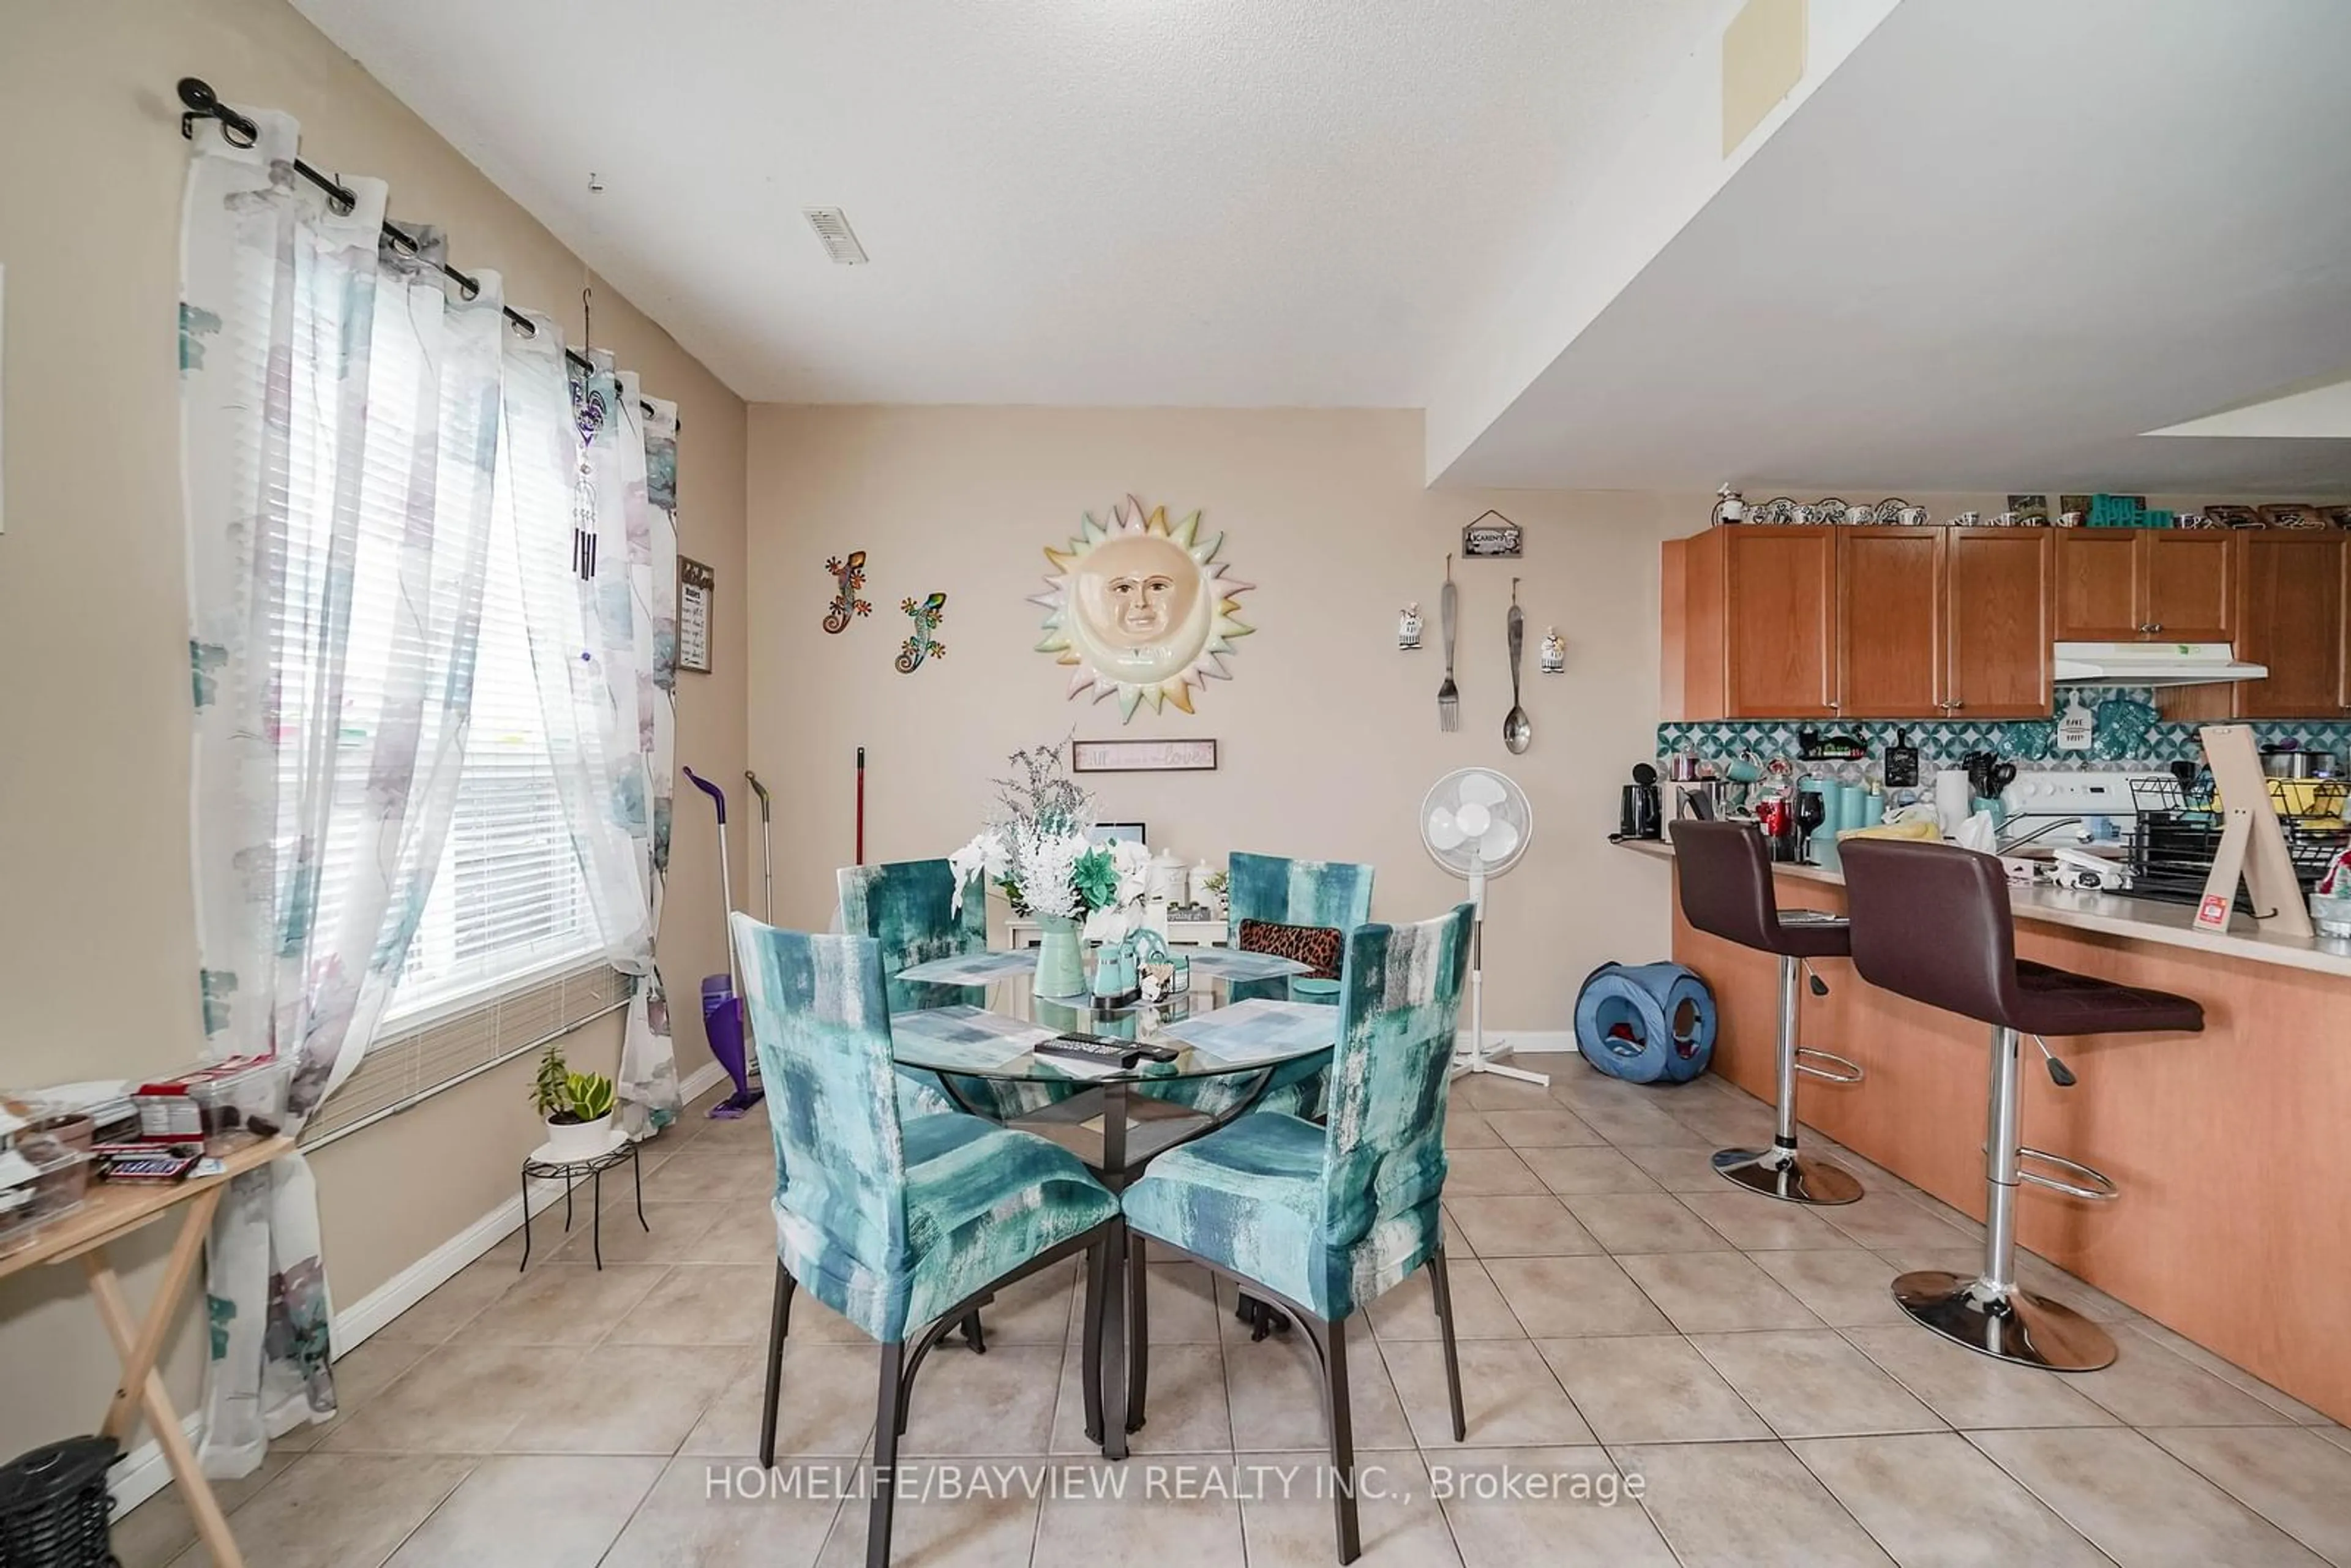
point(1646, 1022)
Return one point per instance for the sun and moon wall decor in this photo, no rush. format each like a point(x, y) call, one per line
point(1140, 609)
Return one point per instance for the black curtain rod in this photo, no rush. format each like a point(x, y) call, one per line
point(202, 103)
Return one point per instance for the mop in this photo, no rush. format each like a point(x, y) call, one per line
point(766, 849)
point(722, 1005)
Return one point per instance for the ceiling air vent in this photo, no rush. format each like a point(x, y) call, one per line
point(831, 225)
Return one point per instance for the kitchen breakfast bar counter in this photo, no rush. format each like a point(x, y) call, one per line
point(2234, 1223)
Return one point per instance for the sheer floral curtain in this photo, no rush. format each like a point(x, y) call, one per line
point(601, 605)
point(339, 420)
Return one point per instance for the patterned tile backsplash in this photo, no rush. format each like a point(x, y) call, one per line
point(2129, 735)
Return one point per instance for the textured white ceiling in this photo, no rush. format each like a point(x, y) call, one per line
point(1139, 201)
point(2004, 240)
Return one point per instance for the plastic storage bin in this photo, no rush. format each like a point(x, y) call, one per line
point(41, 1181)
point(218, 1101)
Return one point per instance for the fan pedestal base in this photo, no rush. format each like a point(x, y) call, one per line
point(1480, 1057)
point(1469, 1062)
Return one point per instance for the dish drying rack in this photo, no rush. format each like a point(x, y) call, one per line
point(2177, 831)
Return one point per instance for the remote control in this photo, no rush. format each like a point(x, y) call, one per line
point(1090, 1048)
point(1131, 1047)
point(1101, 1047)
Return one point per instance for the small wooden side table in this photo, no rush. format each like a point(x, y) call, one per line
point(110, 1212)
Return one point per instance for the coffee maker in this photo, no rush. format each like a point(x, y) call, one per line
point(1642, 815)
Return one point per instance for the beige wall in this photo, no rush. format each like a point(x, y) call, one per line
point(1328, 734)
point(97, 940)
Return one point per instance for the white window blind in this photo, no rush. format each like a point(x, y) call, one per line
point(507, 906)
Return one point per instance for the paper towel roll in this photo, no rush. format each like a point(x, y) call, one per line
point(1954, 800)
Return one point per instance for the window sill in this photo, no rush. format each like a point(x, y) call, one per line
point(398, 1022)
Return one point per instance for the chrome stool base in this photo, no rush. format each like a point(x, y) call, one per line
point(2014, 1325)
point(1788, 1175)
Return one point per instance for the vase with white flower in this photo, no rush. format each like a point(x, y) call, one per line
point(1037, 850)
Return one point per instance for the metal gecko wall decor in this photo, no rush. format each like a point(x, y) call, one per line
point(848, 577)
point(927, 614)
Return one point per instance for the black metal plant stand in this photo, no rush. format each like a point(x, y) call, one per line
point(569, 1172)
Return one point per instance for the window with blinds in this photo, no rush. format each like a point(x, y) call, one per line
point(508, 906)
point(507, 909)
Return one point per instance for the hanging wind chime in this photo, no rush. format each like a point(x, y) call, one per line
point(587, 409)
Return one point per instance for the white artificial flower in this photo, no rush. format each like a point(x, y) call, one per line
point(1132, 862)
point(1043, 863)
point(972, 859)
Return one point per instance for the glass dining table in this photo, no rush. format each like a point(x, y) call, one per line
point(1104, 1112)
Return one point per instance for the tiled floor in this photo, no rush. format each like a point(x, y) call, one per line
point(1624, 1314)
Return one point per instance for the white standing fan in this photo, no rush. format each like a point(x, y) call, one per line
point(1476, 823)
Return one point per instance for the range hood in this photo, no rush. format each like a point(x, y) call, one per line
point(2151, 665)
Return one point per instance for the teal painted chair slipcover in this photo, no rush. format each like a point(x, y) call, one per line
point(898, 1222)
point(1336, 893)
point(1325, 1220)
point(908, 906)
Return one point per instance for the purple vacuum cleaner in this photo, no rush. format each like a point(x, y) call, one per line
point(722, 1005)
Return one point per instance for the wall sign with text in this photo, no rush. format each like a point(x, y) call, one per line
point(1142, 756)
point(698, 585)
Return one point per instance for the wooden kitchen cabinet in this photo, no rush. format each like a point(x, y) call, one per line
point(2291, 608)
point(1889, 617)
point(2096, 599)
point(2186, 584)
point(1997, 641)
point(2289, 603)
point(1857, 622)
point(1750, 623)
point(2141, 585)
point(1779, 602)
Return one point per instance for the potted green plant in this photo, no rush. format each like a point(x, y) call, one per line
point(576, 1106)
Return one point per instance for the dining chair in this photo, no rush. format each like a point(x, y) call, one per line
point(899, 1223)
point(1323, 1220)
point(909, 907)
point(1327, 894)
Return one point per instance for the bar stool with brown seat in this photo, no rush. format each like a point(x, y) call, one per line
point(1932, 922)
point(1725, 882)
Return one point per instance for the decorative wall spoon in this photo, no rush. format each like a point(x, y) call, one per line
point(1517, 729)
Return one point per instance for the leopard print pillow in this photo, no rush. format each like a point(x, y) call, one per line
point(1319, 948)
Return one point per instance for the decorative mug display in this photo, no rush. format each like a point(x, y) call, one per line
point(1967, 520)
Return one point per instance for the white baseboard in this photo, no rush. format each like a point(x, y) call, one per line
point(701, 1081)
point(1526, 1041)
point(354, 1323)
point(143, 1473)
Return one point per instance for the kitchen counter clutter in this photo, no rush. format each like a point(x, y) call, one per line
point(2233, 1225)
point(2114, 914)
